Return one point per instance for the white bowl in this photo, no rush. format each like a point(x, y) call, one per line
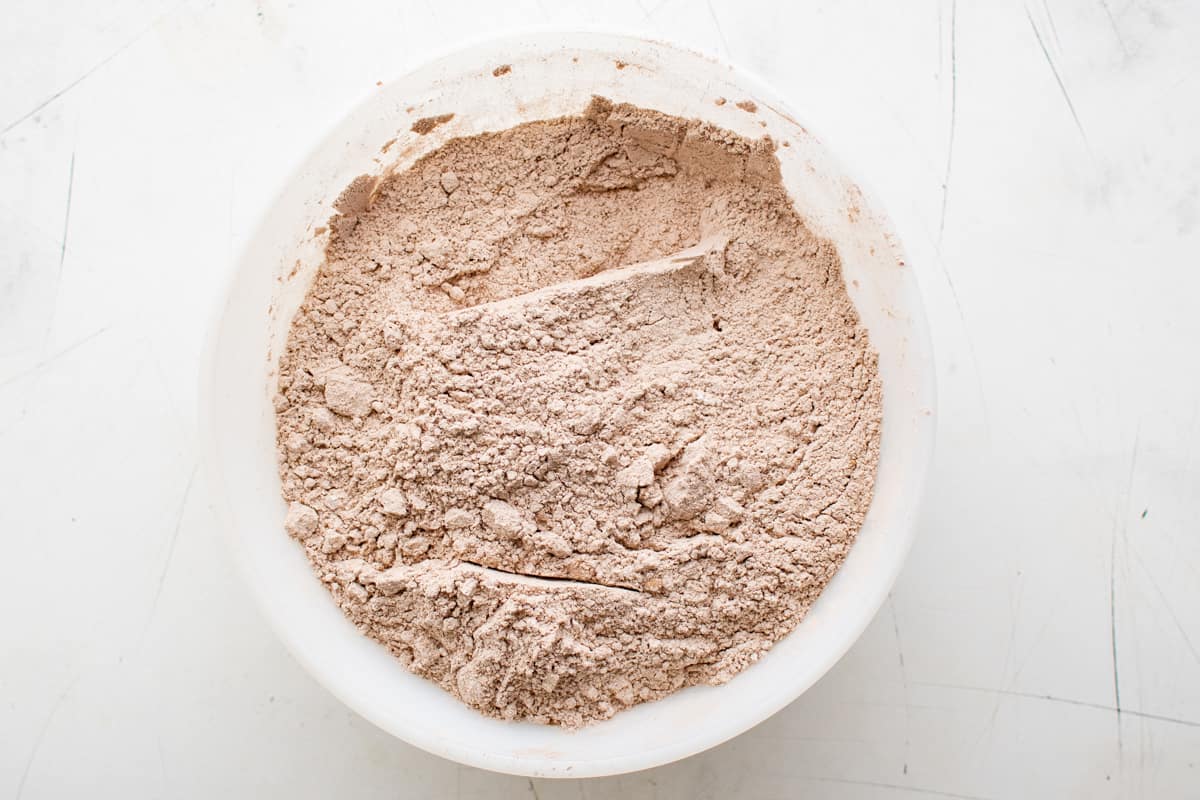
point(551, 75)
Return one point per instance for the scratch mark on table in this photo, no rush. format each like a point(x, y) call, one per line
point(1112, 610)
point(647, 14)
point(962, 318)
point(161, 374)
point(1143, 737)
point(45, 362)
point(62, 252)
point(1170, 609)
point(533, 789)
point(1014, 615)
point(945, 201)
point(1116, 30)
point(903, 682)
point(1048, 618)
point(1119, 524)
point(1057, 77)
point(1050, 22)
point(899, 645)
point(162, 576)
point(953, 117)
point(918, 146)
point(91, 71)
point(1049, 698)
point(717, 24)
point(37, 742)
point(896, 786)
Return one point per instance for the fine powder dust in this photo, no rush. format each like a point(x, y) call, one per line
point(578, 414)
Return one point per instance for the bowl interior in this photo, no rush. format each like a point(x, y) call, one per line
point(548, 76)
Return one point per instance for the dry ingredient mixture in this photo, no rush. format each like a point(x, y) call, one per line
point(578, 414)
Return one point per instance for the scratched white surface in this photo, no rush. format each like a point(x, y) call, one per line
point(1043, 162)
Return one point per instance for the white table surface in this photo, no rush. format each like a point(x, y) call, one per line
point(1042, 161)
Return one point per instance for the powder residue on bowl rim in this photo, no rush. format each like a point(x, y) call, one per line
point(426, 124)
point(578, 413)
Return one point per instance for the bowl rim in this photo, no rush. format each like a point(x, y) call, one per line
point(583, 37)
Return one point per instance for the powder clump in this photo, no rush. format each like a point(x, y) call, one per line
point(578, 413)
point(426, 124)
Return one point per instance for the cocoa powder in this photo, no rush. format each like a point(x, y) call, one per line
point(578, 413)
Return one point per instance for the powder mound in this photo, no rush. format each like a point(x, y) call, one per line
point(578, 413)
